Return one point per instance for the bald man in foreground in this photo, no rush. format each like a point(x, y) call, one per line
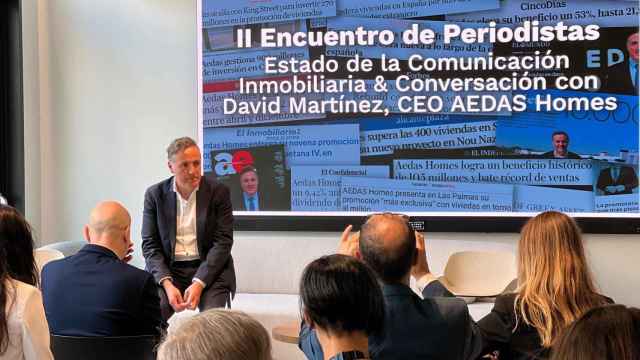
point(95, 292)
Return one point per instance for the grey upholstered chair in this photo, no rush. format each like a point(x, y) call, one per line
point(67, 248)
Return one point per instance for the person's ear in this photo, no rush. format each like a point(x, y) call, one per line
point(170, 166)
point(85, 233)
point(126, 236)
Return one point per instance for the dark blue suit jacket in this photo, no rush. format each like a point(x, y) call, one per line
point(214, 226)
point(94, 293)
point(436, 327)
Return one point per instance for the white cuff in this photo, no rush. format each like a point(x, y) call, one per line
point(195, 279)
point(163, 279)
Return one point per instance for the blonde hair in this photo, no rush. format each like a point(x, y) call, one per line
point(555, 284)
point(216, 335)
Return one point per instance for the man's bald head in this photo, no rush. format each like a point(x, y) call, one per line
point(109, 226)
point(388, 245)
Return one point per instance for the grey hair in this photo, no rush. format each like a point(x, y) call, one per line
point(217, 334)
point(178, 145)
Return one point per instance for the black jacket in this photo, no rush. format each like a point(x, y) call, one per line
point(94, 293)
point(214, 227)
point(627, 178)
point(499, 332)
point(435, 327)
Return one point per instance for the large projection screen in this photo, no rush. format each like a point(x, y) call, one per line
point(467, 115)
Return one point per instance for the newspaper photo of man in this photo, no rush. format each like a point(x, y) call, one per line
point(249, 183)
point(623, 77)
point(617, 179)
point(560, 143)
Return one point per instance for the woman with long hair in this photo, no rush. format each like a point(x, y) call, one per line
point(555, 287)
point(24, 333)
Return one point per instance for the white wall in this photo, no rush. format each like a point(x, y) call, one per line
point(108, 83)
point(117, 83)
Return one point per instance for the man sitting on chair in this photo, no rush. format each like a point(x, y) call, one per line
point(95, 292)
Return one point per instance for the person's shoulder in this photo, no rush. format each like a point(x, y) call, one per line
point(22, 288)
point(448, 305)
point(505, 301)
point(53, 266)
point(572, 155)
point(548, 154)
point(24, 293)
point(159, 186)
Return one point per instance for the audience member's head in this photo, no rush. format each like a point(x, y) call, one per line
point(217, 335)
point(388, 246)
point(555, 284)
point(340, 294)
point(16, 262)
point(16, 246)
point(109, 226)
point(609, 332)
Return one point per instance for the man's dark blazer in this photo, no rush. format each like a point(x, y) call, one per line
point(549, 155)
point(618, 80)
point(627, 177)
point(431, 328)
point(94, 293)
point(214, 227)
point(263, 203)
